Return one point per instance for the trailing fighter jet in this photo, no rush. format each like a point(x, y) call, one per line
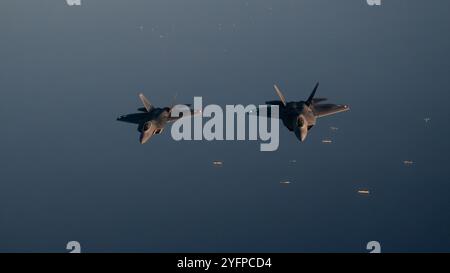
point(301, 116)
point(152, 120)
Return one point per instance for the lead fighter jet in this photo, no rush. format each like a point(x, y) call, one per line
point(301, 116)
point(152, 121)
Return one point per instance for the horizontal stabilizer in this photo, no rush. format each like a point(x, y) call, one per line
point(317, 100)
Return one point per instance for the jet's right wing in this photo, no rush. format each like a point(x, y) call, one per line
point(321, 110)
point(183, 110)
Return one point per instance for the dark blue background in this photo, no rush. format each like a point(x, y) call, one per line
point(70, 171)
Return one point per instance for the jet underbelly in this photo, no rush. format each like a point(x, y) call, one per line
point(308, 114)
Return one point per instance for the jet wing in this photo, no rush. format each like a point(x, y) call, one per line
point(184, 111)
point(321, 110)
point(275, 102)
point(257, 110)
point(132, 118)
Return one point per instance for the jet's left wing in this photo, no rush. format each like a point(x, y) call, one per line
point(132, 118)
point(268, 108)
point(321, 110)
point(274, 102)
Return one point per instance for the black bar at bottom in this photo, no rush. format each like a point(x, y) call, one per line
point(226, 262)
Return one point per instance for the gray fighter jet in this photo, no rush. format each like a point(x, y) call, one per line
point(301, 116)
point(152, 120)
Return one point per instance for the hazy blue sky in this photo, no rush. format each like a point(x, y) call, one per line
point(70, 171)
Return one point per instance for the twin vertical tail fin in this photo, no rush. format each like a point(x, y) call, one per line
point(309, 101)
point(147, 105)
point(311, 97)
point(280, 95)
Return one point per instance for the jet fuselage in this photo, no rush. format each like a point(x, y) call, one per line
point(297, 117)
point(300, 116)
point(153, 123)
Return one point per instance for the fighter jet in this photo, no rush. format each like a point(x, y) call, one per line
point(301, 116)
point(152, 120)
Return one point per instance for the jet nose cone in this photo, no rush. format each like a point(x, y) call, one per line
point(302, 137)
point(300, 128)
point(298, 134)
point(145, 136)
point(142, 140)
